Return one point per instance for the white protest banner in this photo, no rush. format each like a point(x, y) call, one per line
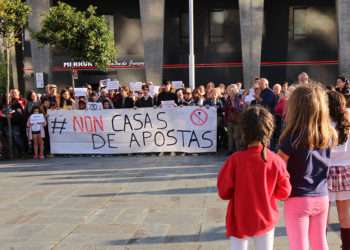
point(39, 80)
point(112, 85)
point(78, 92)
point(168, 104)
point(153, 90)
point(135, 86)
point(94, 106)
point(178, 84)
point(124, 131)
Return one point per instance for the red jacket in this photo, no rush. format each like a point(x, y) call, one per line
point(281, 107)
point(253, 188)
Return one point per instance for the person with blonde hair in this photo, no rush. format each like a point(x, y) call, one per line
point(305, 145)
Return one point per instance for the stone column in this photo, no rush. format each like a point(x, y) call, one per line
point(152, 21)
point(251, 14)
point(41, 57)
point(343, 20)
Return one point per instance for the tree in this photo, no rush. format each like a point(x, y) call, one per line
point(3, 74)
point(13, 18)
point(84, 34)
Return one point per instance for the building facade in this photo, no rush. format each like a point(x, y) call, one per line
point(234, 40)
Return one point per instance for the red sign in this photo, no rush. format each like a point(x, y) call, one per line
point(199, 117)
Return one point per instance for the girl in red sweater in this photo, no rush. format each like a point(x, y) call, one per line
point(253, 180)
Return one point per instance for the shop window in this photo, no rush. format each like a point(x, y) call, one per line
point(299, 16)
point(216, 25)
point(184, 28)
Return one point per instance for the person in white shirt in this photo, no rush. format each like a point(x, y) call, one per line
point(339, 171)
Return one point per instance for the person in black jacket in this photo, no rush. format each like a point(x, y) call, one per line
point(188, 100)
point(166, 94)
point(267, 98)
point(18, 124)
point(146, 101)
point(123, 100)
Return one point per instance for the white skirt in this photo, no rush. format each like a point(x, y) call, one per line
point(339, 196)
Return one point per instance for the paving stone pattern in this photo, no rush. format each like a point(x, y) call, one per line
point(134, 202)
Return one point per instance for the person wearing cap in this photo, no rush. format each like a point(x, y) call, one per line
point(166, 94)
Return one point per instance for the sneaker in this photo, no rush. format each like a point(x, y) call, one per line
point(35, 157)
point(42, 157)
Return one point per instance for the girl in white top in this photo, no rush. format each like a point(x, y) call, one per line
point(36, 131)
point(339, 171)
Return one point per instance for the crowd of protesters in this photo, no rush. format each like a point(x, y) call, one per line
point(310, 169)
point(305, 122)
point(230, 101)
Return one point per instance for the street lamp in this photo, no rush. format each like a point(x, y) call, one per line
point(191, 66)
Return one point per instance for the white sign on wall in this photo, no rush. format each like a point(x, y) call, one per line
point(39, 80)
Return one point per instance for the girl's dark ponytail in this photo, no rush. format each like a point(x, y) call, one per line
point(257, 125)
point(341, 117)
point(343, 127)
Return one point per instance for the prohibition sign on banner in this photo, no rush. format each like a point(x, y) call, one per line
point(199, 117)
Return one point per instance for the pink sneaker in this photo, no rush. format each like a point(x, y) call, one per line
point(35, 157)
point(42, 157)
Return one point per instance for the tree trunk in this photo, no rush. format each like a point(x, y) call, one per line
point(9, 131)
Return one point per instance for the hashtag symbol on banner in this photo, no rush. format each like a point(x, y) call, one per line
point(58, 125)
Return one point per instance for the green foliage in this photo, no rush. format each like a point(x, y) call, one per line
point(84, 34)
point(2, 73)
point(13, 18)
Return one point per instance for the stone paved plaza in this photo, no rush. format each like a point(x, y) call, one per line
point(135, 202)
